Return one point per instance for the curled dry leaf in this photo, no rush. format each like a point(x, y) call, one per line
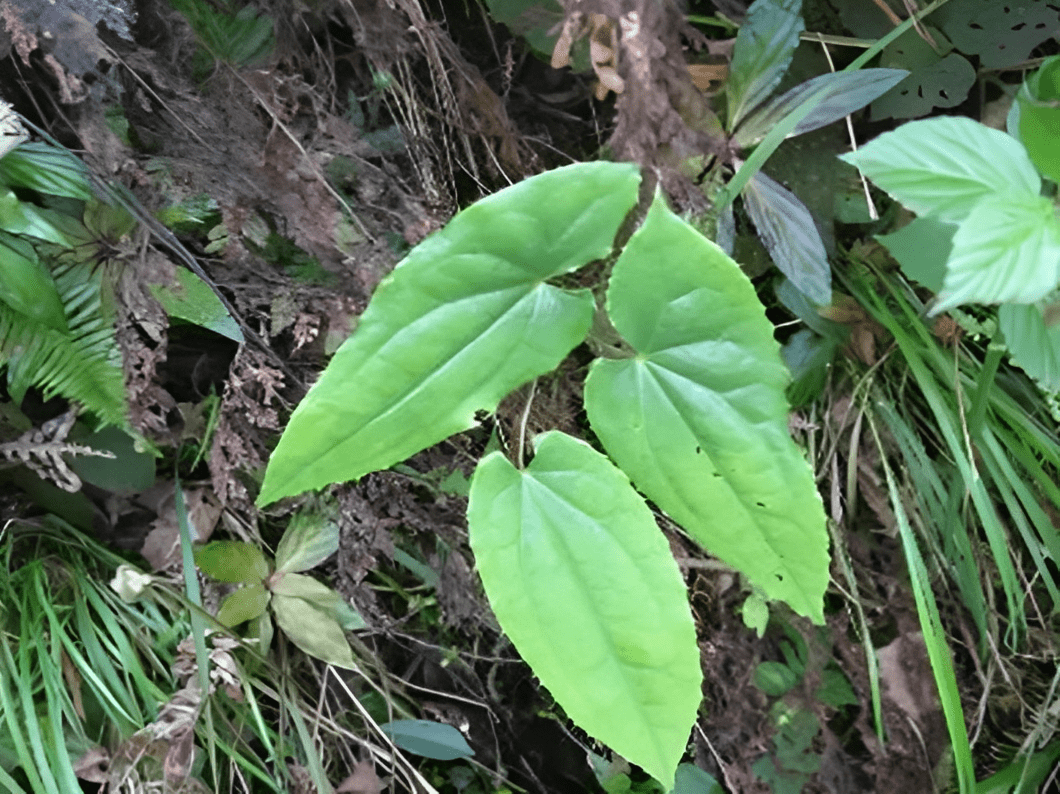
point(93, 766)
point(603, 49)
point(708, 77)
point(364, 780)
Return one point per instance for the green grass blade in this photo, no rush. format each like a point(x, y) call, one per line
point(11, 711)
point(198, 620)
point(934, 635)
point(912, 343)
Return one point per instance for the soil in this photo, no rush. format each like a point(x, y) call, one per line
point(280, 148)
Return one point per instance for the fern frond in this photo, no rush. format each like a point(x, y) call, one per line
point(83, 364)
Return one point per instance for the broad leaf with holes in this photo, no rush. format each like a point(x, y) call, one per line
point(463, 320)
point(584, 584)
point(939, 78)
point(698, 417)
point(1001, 32)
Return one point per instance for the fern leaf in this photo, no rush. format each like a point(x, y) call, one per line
point(83, 364)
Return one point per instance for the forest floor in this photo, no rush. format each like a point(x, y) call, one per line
point(298, 183)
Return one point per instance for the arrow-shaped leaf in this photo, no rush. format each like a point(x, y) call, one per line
point(584, 583)
point(698, 418)
point(462, 321)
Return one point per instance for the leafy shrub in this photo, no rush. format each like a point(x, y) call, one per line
point(689, 402)
point(984, 233)
point(56, 322)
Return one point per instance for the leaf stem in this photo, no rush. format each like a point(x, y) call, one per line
point(523, 423)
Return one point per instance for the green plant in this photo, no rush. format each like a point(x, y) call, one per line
point(242, 39)
point(56, 298)
point(312, 615)
point(762, 53)
point(78, 667)
point(789, 767)
point(688, 401)
point(995, 477)
point(984, 232)
point(56, 318)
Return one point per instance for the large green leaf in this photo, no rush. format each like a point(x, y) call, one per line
point(463, 320)
point(584, 584)
point(764, 45)
point(943, 167)
point(1006, 251)
point(698, 417)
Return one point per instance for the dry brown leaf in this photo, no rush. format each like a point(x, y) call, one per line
point(364, 780)
point(905, 673)
point(162, 545)
point(708, 77)
point(93, 766)
point(73, 684)
point(180, 756)
point(864, 330)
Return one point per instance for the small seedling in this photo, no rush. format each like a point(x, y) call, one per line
point(313, 616)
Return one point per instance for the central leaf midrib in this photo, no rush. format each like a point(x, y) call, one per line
point(744, 503)
point(624, 671)
point(429, 374)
